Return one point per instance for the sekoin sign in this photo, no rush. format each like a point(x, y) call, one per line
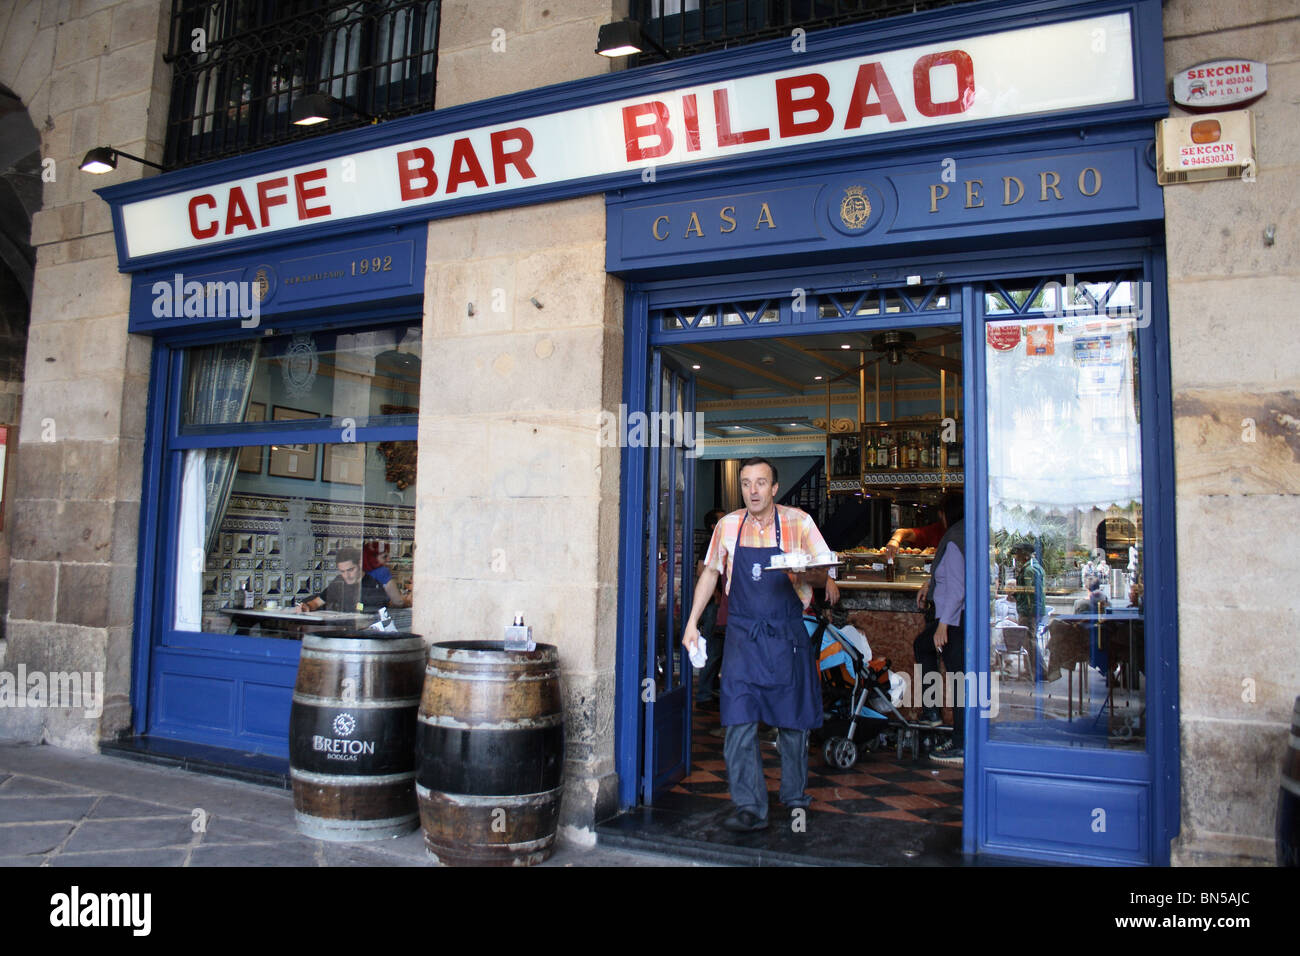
point(1040, 69)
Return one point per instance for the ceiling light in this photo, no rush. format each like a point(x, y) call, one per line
point(317, 108)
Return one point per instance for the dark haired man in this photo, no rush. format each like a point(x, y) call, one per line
point(352, 590)
point(769, 669)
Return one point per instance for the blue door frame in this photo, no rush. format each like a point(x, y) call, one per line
point(1099, 773)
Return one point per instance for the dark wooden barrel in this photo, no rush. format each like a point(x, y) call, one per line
point(491, 753)
point(1288, 798)
point(352, 734)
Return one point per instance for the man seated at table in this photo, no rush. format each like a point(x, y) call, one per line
point(352, 590)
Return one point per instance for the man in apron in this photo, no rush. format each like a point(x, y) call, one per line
point(769, 668)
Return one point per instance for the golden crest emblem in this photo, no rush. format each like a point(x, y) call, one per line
point(261, 284)
point(855, 208)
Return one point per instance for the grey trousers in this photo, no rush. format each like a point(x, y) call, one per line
point(745, 768)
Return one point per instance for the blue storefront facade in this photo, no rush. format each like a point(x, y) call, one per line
point(936, 186)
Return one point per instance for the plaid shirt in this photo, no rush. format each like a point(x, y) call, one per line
point(798, 533)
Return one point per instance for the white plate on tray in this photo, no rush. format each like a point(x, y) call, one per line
point(810, 567)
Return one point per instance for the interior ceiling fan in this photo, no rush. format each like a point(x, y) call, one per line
point(896, 345)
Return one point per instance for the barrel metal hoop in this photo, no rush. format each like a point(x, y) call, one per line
point(520, 723)
point(503, 800)
point(357, 704)
point(340, 780)
point(358, 657)
point(496, 675)
point(1289, 785)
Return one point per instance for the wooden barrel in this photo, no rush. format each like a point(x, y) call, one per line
point(1288, 798)
point(491, 753)
point(352, 735)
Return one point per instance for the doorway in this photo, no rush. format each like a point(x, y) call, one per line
point(1059, 405)
point(888, 359)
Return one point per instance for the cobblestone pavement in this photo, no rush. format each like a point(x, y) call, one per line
point(61, 808)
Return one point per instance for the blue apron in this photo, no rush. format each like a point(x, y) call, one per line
point(768, 671)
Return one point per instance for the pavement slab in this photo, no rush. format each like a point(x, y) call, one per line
point(172, 857)
point(130, 835)
point(44, 809)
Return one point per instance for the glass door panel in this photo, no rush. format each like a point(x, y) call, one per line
point(1065, 523)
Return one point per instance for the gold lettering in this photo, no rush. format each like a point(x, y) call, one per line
point(693, 226)
point(936, 195)
point(1054, 185)
point(973, 193)
point(1096, 178)
point(1006, 190)
point(765, 216)
point(722, 214)
point(654, 229)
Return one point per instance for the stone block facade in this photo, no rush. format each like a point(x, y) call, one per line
point(89, 73)
point(1236, 396)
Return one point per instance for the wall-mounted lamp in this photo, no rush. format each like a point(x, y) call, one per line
point(103, 159)
point(317, 108)
point(624, 38)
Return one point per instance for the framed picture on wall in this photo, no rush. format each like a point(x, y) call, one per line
point(250, 459)
point(344, 463)
point(292, 461)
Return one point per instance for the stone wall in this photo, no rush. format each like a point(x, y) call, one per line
point(90, 73)
point(490, 48)
point(1236, 384)
point(517, 507)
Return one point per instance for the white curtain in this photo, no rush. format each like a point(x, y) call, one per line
point(190, 542)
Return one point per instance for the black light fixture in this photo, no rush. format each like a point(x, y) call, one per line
point(103, 159)
point(317, 108)
point(625, 37)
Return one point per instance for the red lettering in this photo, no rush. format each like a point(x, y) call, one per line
point(634, 131)
point(691, 114)
point(265, 200)
point(197, 231)
point(317, 192)
point(465, 167)
point(787, 105)
point(416, 164)
point(722, 110)
point(871, 76)
point(518, 158)
point(237, 211)
point(965, 82)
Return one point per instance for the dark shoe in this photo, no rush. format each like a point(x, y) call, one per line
point(949, 754)
point(930, 717)
point(744, 821)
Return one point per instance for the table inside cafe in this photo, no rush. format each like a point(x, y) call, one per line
point(292, 624)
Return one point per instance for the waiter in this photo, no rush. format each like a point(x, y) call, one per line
point(769, 668)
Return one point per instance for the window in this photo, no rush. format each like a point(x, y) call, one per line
point(238, 66)
point(686, 27)
point(297, 481)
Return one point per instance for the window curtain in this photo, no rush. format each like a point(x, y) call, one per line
point(219, 383)
point(731, 499)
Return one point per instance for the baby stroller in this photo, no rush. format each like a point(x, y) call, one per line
point(860, 697)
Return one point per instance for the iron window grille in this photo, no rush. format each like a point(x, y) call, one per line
point(238, 66)
point(687, 27)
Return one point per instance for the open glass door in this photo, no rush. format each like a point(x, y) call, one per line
point(669, 574)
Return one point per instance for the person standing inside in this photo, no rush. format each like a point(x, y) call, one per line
point(1030, 598)
point(949, 635)
point(769, 668)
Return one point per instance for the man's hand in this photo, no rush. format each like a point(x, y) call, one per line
point(940, 636)
point(690, 637)
point(832, 591)
point(922, 595)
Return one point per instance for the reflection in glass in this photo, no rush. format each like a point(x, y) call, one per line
point(1065, 528)
point(344, 534)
